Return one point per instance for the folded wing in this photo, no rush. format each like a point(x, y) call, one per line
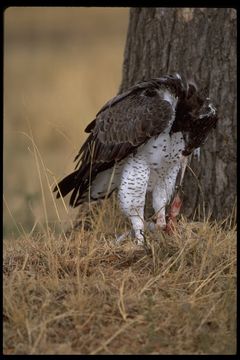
point(120, 127)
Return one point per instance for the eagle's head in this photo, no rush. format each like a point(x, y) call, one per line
point(198, 103)
point(201, 118)
point(195, 116)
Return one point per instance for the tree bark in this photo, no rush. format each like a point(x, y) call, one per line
point(200, 44)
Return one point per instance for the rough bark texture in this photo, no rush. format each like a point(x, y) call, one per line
point(201, 44)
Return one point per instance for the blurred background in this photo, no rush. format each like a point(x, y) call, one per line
point(60, 66)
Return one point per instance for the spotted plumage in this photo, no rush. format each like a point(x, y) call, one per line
point(138, 142)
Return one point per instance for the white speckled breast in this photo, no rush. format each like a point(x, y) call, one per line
point(163, 155)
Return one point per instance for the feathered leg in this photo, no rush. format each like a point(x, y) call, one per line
point(132, 193)
point(161, 195)
point(177, 201)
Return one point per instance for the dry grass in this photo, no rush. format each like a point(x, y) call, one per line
point(85, 294)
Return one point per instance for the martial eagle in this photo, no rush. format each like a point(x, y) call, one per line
point(140, 141)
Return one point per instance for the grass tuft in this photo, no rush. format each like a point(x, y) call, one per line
point(86, 294)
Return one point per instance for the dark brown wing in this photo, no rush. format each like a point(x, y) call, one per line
point(122, 125)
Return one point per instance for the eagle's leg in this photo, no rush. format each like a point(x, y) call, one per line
point(137, 232)
point(159, 203)
point(138, 228)
point(177, 201)
point(160, 197)
point(161, 219)
point(132, 193)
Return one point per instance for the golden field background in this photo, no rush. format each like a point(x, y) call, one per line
point(60, 66)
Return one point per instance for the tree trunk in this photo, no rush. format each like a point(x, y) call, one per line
point(200, 44)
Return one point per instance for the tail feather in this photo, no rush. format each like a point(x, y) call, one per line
point(78, 182)
point(66, 185)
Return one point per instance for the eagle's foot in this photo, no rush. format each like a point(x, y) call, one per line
point(161, 222)
point(151, 226)
point(138, 237)
point(156, 226)
point(121, 238)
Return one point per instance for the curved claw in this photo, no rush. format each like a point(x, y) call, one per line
point(122, 237)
